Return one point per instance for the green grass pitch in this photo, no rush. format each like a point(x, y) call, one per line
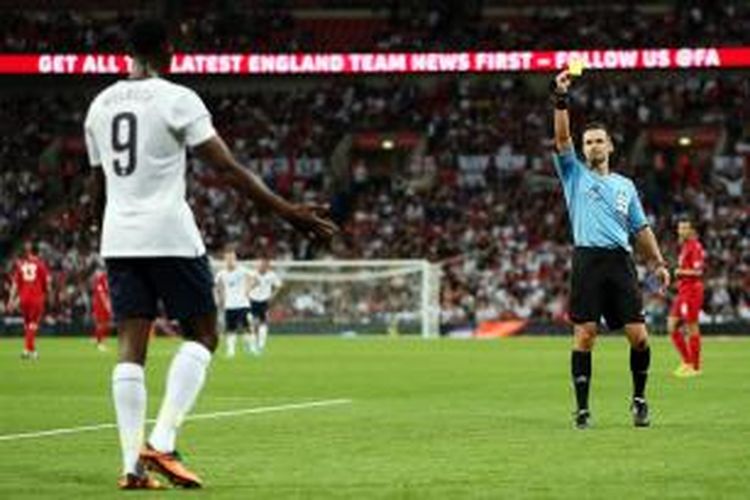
point(427, 419)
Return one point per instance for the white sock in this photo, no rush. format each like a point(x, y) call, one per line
point(249, 340)
point(129, 394)
point(184, 381)
point(231, 343)
point(262, 336)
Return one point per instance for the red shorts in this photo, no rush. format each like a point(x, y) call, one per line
point(32, 310)
point(687, 305)
point(101, 316)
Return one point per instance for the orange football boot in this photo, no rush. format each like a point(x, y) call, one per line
point(171, 467)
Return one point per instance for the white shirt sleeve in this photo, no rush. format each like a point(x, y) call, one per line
point(95, 159)
point(190, 118)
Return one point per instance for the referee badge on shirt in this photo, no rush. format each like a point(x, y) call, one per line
point(621, 202)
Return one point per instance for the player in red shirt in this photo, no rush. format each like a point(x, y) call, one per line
point(689, 301)
point(29, 290)
point(101, 307)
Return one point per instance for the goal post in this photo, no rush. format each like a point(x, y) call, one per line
point(357, 296)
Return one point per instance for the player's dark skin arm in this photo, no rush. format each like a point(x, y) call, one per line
point(215, 152)
point(304, 218)
point(647, 245)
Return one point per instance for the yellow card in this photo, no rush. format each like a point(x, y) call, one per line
point(576, 67)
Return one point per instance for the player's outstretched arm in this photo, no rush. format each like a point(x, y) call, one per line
point(560, 87)
point(649, 248)
point(307, 219)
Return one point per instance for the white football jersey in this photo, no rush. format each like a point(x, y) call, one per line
point(138, 131)
point(264, 285)
point(234, 283)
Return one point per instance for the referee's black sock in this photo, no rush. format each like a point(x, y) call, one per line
point(639, 363)
point(580, 368)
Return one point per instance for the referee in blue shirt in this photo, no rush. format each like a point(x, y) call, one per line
point(606, 216)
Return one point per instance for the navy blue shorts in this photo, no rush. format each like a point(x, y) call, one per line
point(184, 285)
point(235, 319)
point(259, 310)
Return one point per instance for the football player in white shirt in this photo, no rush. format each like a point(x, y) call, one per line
point(232, 286)
point(264, 283)
point(137, 132)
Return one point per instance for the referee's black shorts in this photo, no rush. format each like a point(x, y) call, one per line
point(604, 283)
point(183, 284)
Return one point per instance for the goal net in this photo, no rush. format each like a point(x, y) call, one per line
point(356, 296)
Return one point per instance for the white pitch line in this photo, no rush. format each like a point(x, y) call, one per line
point(200, 416)
point(268, 409)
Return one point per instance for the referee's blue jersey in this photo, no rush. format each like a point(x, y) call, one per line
point(604, 210)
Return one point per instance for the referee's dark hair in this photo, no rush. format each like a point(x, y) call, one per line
point(596, 125)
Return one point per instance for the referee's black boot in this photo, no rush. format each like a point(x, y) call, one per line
point(582, 419)
point(640, 412)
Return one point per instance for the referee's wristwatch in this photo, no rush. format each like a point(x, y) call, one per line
point(559, 99)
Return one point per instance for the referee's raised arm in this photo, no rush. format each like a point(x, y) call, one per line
point(561, 85)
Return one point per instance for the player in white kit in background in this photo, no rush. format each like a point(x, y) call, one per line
point(232, 289)
point(264, 284)
point(137, 133)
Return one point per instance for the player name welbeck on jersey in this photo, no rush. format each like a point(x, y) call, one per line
point(136, 130)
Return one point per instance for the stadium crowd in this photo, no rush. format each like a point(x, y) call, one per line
point(444, 25)
point(481, 196)
point(34, 151)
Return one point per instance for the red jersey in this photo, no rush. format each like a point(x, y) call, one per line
point(100, 294)
point(692, 257)
point(30, 277)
